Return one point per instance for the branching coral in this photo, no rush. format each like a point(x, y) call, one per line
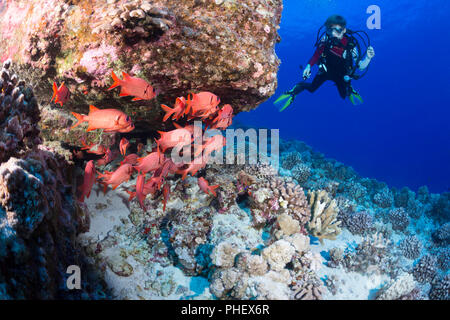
point(308, 287)
point(323, 224)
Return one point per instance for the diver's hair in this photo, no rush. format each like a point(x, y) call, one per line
point(336, 19)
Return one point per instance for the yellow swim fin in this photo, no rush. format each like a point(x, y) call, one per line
point(283, 97)
point(355, 98)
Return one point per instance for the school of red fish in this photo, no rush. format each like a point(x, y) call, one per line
point(153, 168)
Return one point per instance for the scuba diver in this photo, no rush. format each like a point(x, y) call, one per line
point(339, 57)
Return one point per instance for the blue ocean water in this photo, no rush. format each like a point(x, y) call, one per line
point(401, 134)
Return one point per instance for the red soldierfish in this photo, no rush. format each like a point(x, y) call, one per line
point(107, 158)
point(140, 181)
point(205, 187)
point(224, 118)
point(93, 148)
point(115, 178)
point(61, 94)
point(216, 142)
point(133, 86)
point(202, 104)
point(178, 110)
point(88, 180)
point(123, 145)
point(132, 159)
point(149, 188)
point(194, 166)
point(170, 139)
point(110, 120)
point(150, 162)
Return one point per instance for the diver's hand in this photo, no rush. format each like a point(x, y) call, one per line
point(370, 52)
point(307, 72)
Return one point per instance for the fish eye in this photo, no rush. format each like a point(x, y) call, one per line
point(127, 118)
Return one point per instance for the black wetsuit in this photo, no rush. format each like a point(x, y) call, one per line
point(336, 68)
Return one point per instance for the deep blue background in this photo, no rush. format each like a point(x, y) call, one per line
point(401, 134)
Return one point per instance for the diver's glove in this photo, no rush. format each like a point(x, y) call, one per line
point(307, 72)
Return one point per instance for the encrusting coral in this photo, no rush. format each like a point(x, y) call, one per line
point(323, 224)
point(19, 114)
point(411, 247)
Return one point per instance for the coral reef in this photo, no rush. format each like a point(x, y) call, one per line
point(357, 222)
point(301, 173)
point(323, 224)
point(274, 196)
point(39, 220)
point(401, 286)
point(411, 247)
point(440, 288)
point(372, 255)
point(39, 215)
point(425, 269)
point(19, 114)
point(442, 235)
point(384, 199)
point(399, 219)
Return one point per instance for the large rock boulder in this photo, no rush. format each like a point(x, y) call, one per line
point(222, 46)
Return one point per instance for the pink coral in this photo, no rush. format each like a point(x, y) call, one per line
point(96, 60)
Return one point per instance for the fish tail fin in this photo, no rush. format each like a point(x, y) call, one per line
point(55, 89)
point(184, 174)
point(116, 81)
point(188, 103)
point(212, 188)
point(158, 149)
point(132, 195)
point(80, 119)
point(169, 112)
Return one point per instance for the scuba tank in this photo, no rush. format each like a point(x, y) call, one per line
point(352, 36)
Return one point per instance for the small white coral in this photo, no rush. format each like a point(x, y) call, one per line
point(397, 287)
point(315, 260)
point(299, 241)
point(254, 265)
point(288, 225)
point(278, 254)
point(261, 195)
point(224, 253)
